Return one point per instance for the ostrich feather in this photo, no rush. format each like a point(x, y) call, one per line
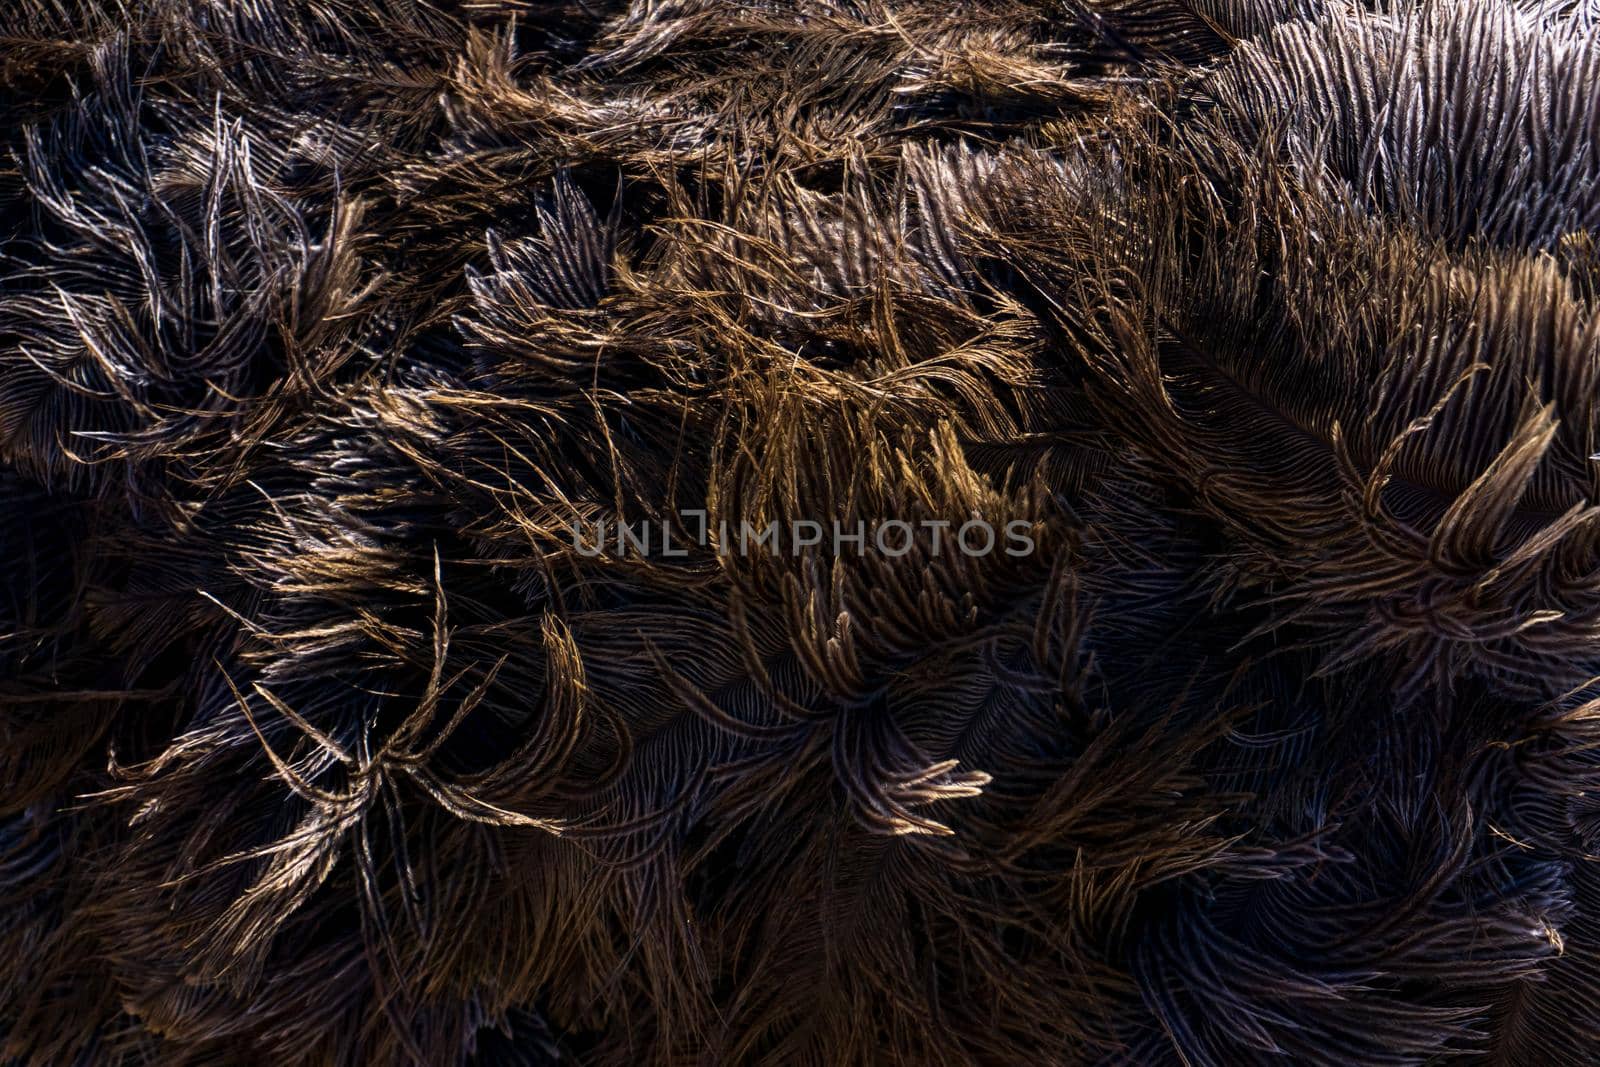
point(390, 392)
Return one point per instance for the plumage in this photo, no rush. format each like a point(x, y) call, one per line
point(389, 394)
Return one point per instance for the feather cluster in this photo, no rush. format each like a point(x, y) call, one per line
point(325, 324)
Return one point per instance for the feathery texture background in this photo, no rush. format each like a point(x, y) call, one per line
point(323, 321)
